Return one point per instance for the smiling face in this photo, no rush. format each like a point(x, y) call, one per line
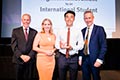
point(88, 18)
point(26, 19)
point(46, 25)
point(69, 19)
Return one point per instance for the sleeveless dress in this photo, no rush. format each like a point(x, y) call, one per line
point(46, 64)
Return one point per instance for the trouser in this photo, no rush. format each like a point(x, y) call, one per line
point(68, 64)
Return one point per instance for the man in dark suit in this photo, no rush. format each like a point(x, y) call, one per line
point(21, 43)
point(92, 59)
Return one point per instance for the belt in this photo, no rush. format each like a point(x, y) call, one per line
point(70, 56)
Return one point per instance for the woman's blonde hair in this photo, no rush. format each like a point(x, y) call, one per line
point(51, 30)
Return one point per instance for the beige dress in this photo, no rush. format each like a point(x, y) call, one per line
point(46, 64)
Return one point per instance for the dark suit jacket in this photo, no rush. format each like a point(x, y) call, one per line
point(21, 46)
point(97, 43)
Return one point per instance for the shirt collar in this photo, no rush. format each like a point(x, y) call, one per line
point(91, 27)
point(24, 28)
point(69, 27)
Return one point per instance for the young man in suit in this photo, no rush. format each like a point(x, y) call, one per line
point(21, 43)
point(92, 59)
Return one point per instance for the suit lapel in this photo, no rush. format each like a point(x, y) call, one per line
point(84, 30)
point(22, 33)
point(29, 33)
point(93, 32)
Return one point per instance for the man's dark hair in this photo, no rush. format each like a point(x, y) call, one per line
point(69, 11)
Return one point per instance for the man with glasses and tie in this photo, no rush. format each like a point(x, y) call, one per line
point(69, 41)
point(95, 47)
point(21, 43)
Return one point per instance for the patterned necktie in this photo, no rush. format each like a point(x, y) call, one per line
point(26, 35)
point(86, 43)
point(68, 41)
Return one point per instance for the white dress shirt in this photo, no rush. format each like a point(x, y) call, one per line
point(27, 30)
point(76, 40)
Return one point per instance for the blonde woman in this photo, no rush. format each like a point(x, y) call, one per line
point(44, 45)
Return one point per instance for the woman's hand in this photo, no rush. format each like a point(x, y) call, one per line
point(50, 52)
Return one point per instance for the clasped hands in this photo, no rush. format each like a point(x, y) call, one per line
point(50, 52)
point(25, 58)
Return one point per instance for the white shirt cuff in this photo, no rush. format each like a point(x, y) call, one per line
point(100, 61)
point(80, 57)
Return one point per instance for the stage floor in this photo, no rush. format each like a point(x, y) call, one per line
point(105, 75)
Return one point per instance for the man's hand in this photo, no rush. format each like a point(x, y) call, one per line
point(25, 58)
point(97, 64)
point(64, 45)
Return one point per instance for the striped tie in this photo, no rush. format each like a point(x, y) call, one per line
point(86, 44)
